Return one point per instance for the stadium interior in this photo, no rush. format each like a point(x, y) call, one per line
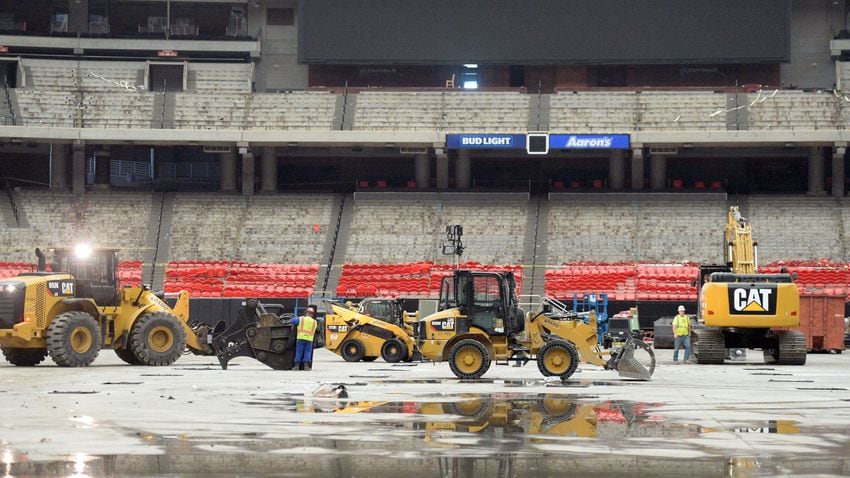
point(253, 148)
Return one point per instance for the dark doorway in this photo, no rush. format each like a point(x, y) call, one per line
point(9, 74)
point(166, 77)
point(516, 76)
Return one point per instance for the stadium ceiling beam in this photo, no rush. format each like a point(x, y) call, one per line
point(746, 138)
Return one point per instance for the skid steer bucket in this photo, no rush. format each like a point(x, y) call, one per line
point(635, 359)
point(259, 335)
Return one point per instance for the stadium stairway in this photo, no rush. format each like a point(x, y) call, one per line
point(536, 249)
point(336, 244)
point(158, 240)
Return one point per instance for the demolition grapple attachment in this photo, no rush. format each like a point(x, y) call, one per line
point(258, 334)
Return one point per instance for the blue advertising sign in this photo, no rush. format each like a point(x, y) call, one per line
point(589, 141)
point(485, 141)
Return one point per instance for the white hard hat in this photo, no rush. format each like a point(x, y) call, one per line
point(681, 308)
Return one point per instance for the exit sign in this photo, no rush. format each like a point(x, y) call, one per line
point(166, 53)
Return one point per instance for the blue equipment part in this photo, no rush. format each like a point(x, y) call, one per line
point(598, 303)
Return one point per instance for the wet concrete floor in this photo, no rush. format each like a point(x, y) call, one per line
point(194, 419)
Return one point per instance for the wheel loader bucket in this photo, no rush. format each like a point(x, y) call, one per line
point(635, 359)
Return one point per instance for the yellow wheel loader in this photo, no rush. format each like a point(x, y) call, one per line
point(740, 307)
point(356, 336)
point(478, 320)
point(72, 315)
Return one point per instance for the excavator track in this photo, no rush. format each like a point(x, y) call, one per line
point(792, 349)
point(710, 346)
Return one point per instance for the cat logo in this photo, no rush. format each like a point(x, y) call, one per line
point(752, 299)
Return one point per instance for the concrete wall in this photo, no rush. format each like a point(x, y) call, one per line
point(278, 67)
point(813, 24)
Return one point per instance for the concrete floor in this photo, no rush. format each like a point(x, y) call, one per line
point(192, 418)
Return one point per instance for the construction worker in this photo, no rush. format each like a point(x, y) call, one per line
point(681, 335)
point(305, 327)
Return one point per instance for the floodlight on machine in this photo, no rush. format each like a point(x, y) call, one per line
point(82, 251)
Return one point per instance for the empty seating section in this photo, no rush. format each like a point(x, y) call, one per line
point(816, 277)
point(480, 112)
point(118, 220)
point(635, 227)
point(112, 76)
point(11, 269)
point(681, 110)
point(224, 110)
point(788, 109)
point(606, 112)
point(419, 279)
point(297, 110)
point(278, 229)
point(52, 74)
point(623, 281)
point(794, 227)
point(395, 231)
point(127, 109)
point(240, 279)
point(593, 112)
point(220, 77)
point(49, 108)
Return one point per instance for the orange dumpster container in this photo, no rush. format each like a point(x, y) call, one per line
point(822, 321)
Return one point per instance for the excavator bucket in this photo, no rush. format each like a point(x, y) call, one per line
point(635, 359)
point(259, 335)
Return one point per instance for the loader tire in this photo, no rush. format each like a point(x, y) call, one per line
point(128, 356)
point(468, 359)
point(370, 359)
point(352, 350)
point(73, 339)
point(158, 338)
point(710, 346)
point(393, 351)
point(557, 358)
point(24, 357)
point(791, 349)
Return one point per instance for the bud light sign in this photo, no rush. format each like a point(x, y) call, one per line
point(485, 141)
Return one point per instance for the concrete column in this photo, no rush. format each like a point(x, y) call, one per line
point(617, 169)
point(423, 171)
point(442, 170)
point(637, 168)
point(248, 174)
point(816, 172)
point(59, 167)
point(268, 170)
point(657, 172)
point(78, 169)
point(228, 171)
point(463, 170)
point(838, 172)
point(78, 21)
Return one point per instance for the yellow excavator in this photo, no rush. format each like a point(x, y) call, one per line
point(479, 320)
point(78, 309)
point(741, 308)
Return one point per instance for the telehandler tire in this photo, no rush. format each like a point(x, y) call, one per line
point(352, 350)
point(128, 356)
point(24, 357)
point(557, 358)
point(468, 359)
point(158, 338)
point(73, 339)
point(393, 351)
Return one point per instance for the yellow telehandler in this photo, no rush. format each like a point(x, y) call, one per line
point(479, 320)
point(78, 309)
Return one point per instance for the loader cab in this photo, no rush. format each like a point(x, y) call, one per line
point(487, 299)
point(95, 272)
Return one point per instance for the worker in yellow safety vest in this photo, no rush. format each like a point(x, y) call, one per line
point(305, 327)
point(681, 335)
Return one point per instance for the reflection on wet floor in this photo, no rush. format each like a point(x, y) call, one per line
point(503, 382)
